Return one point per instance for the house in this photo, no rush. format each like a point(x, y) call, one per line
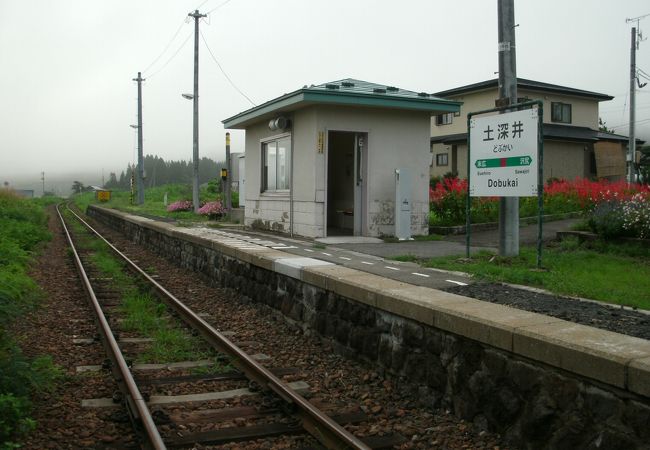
point(573, 145)
point(322, 160)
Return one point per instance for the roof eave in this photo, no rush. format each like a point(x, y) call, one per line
point(522, 84)
point(308, 96)
point(239, 121)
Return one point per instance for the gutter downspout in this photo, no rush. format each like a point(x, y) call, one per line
point(293, 129)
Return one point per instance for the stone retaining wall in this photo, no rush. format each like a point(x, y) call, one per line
point(534, 402)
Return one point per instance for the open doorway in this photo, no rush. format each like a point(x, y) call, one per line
point(346, 155)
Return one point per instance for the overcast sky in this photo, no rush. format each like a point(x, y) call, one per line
point(67, 96)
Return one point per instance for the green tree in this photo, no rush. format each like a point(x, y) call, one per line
point(602, 126)
point(78, 187)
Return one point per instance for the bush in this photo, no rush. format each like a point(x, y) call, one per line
point(14, 419)
point(181, 205)
point(607, 220)
point(447, 198)
point(214, 186)
point(22, 228)
point(212, 209)
point(636, 215)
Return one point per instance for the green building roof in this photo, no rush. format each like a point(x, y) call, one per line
point(346, 92)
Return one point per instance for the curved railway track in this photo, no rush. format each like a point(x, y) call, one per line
point(307, 417)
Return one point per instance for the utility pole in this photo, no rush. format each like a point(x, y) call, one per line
point(140, 168)
point(508, 206)
point(43, 181)
point(195, 154)
point(226, 191)
point(631, 147)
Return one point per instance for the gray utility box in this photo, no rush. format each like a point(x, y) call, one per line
point(403, 188)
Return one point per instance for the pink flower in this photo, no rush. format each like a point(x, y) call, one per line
point(181, 205)
point(212, 209)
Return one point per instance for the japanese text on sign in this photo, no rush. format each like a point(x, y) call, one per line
point(503, 154)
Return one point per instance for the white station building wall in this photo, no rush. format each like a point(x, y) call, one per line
point(396, 139)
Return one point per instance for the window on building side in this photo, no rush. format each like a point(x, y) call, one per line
point(442, 159)
point(444, 119)
point(276, 164)
point(560, 112)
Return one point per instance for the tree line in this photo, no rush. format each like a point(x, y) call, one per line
point(159, 172)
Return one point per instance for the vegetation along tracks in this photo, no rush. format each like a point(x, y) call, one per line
point(104, 284)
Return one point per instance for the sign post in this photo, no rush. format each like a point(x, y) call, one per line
point(505, 157)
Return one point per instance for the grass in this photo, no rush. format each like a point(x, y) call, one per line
point(154, 201)
point(23, 229)
point(217, 367)
point(405, 258)
point(428, 237)
point(145, 315)
point(600, 271)
point(142, 312)
point(418, 238)
point(319, 246)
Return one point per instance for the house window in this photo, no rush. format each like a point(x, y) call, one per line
point(442, 159)
point(444, 119)
point(276, 164)
point(560, 112)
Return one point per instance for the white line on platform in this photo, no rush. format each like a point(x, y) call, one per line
point(326, 254)
point(308, 250)
point(420, 274)
point(343, 257)
point(459, 283)
point(391, 268)
point(369, 263)
point(283, 247)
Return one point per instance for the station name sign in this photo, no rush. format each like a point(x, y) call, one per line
point(503, 154)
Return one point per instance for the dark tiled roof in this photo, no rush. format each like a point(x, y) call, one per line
point(523, 83)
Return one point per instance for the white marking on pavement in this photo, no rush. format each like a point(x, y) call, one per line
point(343, 257)
point(369, 263)
point(391, 268)
point(420, 274)
point(283, 247)
point(459, 283)
point(307, 250)
point(326, 254)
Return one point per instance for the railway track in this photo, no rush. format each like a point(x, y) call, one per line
point(280, 409)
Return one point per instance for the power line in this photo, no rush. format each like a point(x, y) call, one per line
point(214, 9)
point(145, 71)
point(224, 72)
point(172, 57)
point(202, 3)
point(627, 124)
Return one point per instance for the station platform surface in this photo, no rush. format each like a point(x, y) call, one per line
point(374, 256)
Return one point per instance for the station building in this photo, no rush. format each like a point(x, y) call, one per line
point(574, 146)
point(322, 160)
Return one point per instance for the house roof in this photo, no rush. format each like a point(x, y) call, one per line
point(551, 132)
point(523, 83)
point(346, 92)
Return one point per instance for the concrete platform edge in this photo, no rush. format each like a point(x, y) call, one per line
point(611, 358)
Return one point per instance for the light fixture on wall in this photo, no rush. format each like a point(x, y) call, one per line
point(279, 123)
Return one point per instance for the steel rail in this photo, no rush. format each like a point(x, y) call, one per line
point(132, 394)
point(314, 421)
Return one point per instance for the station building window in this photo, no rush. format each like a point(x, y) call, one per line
point(442, 159)
point(560, 112)
point(276, 164)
